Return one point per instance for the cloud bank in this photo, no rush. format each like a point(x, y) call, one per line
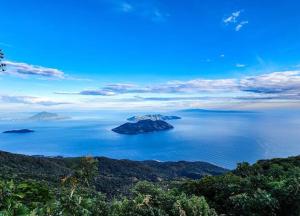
point(277, 89)
point(30, 100)
point(287, 82)
point(21, 69)
point(275, 85)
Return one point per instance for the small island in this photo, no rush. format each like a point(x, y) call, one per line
point(21, 131)
point(47, 116)
point(143, 126)
point(153, 117)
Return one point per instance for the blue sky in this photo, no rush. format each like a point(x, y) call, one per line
point(63, 53)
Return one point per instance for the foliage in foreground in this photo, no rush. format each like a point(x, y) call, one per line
point(78, 197)
point(270, 187)
point(267, 188)
point(33, 199)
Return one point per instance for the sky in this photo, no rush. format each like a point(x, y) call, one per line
point(145, 54)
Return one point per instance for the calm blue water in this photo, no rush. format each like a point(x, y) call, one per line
point(220, 138)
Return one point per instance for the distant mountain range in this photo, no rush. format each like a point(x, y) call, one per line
point(153, 117)
point(47, 116)
point(214, 111)
point(143, 126)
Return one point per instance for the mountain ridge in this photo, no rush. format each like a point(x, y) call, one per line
point(114, 175)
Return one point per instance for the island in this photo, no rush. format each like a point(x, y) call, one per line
point(143, 126)
point(21, 131)
point(153, 117)
point(217, 111)
point(47, 116)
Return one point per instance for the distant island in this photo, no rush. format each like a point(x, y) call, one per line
point(153, 117)
point(215, 111)
point(143, 126)
point(21, 131)
point(47, 116)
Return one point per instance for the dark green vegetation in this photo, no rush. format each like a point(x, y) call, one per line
point(269, 187)
point(72, 186)
point(57, 186)
point(2, 65)
point(114, 177)
point(143, 126)
point(19, 131)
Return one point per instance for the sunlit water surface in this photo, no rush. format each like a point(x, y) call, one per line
point(220, 138)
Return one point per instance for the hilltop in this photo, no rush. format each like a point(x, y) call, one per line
point(115, 176)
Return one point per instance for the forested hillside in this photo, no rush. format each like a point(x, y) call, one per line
point(57, 186)
point(113, 177)
point(269, 187)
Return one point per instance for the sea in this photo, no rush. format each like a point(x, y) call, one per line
point(218, 137)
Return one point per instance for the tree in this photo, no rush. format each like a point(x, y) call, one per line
point(261, 203)
point(151, 200)
point(2, 65)
point(78, 197)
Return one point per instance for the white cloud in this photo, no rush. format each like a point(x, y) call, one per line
point(269, 90)
point(158, 15)
point(126, 7)
point(30, 100)
point(240, 25)
point(192, 86)
point(277, 85)
point(142, 8)
point(97, 92)
point(232, 18)
point(286, 82)
point(23, 70)
point(240, 65)
point(199, 85)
